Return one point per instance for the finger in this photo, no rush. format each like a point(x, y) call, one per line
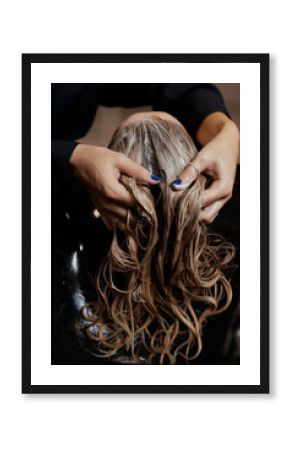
point(189, 174)
point(115, 194)
point(110, 209)
point(209, 213)
point(218, 190)
point(135, 170)
point(111, 220)
point(111, 223)
point(122, 196)
point(116, 212)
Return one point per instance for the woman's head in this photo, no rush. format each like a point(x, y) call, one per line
point(164, 275)
point(157, 141)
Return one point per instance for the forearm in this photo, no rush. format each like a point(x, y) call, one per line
point(212, 125)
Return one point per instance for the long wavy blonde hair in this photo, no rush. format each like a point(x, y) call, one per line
point(165, 274)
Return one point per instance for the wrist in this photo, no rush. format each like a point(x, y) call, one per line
point(81, 151)
point(75, 154)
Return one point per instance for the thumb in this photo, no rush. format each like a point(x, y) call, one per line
point(135, 170)
point(192, 170)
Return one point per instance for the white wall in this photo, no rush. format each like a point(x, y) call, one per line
point(74, 422)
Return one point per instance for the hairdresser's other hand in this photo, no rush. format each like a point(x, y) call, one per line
point(99, 169)
point(218, 158)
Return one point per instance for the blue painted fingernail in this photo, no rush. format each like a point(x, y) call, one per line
point(177, 182)
point(155, 177)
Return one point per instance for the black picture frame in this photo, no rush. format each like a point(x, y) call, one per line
point(263, 61)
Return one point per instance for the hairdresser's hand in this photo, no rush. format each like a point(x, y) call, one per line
point(219, 159)
point(99, 169)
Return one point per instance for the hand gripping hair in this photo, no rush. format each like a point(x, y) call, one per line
point(165, 274)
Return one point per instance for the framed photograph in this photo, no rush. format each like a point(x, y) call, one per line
point(145, 231)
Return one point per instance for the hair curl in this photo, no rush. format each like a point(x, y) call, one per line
point(165, 275)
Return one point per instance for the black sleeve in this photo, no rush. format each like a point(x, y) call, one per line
point(189, 103)
point(61, 151)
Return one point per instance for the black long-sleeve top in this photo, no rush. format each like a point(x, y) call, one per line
point(73, 108)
